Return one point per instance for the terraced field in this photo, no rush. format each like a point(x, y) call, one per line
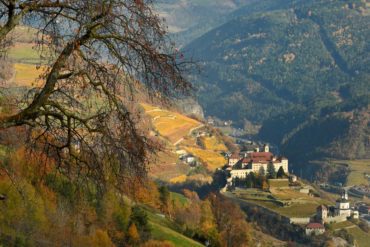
point(25, 53)
point(287, 202)
point(170, 125)
point(213, 159)
point(213, 143)
point(28, 75)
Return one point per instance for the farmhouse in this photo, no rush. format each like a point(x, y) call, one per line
point(314, 229)
point(255, 162)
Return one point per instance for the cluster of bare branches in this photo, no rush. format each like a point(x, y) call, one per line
point(97, 53)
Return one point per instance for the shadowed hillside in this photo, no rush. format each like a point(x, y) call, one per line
point(299, 68)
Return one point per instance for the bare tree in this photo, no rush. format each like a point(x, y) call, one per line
point(98, 53)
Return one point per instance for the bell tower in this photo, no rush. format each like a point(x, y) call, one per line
point(344, 194)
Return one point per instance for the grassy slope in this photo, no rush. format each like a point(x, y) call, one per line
point(362, 238)
point(298, 204)
point(160, 232)
point(24, 53)
point(358, 169)
point(164, 229)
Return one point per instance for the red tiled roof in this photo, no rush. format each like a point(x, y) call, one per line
point(261, 156)
point(314, 226)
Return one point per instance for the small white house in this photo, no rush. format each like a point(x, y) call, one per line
point(189, 159)
point(314, 229)
point(355, 214)
point(293, 178)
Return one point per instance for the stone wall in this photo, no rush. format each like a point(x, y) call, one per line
point(338, 218)
point(299, 221)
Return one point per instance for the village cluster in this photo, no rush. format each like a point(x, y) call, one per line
point(240, 165)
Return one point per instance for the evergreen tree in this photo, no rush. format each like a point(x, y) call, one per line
point(140, 218)
point(164, 197)
point(281, 173)
point(271, 171)
point(250, 180)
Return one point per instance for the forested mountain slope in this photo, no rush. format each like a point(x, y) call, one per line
point(299, 68)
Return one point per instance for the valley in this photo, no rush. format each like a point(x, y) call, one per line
point(298, 69)
point(271, 148)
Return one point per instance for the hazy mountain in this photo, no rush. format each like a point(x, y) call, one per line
point(189, 19)
point(295, 67)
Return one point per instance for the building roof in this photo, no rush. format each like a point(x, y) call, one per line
point(315, 226)
point(262, 157)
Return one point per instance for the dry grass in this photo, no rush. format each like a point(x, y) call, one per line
point(164, 166)
point(278, 183)
point(28, 75)
point(171, 125)
point(213, 159)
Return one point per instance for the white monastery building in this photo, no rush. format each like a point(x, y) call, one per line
point(254, 161)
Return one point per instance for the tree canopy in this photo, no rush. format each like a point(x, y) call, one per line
point(98, 54)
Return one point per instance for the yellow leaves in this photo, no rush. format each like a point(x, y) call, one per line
point(179, 179)
point(133, 233)
point(101, 239)
point(147, 194)
point(98, 238)
point(207, 220)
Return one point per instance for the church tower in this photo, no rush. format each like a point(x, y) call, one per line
point(266, 148)
point(344, 194)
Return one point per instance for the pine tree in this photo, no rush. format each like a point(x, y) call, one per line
point(250, 180)
point(164, 197)
point(271, 171)
point(281, 173)
point(140, 218)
